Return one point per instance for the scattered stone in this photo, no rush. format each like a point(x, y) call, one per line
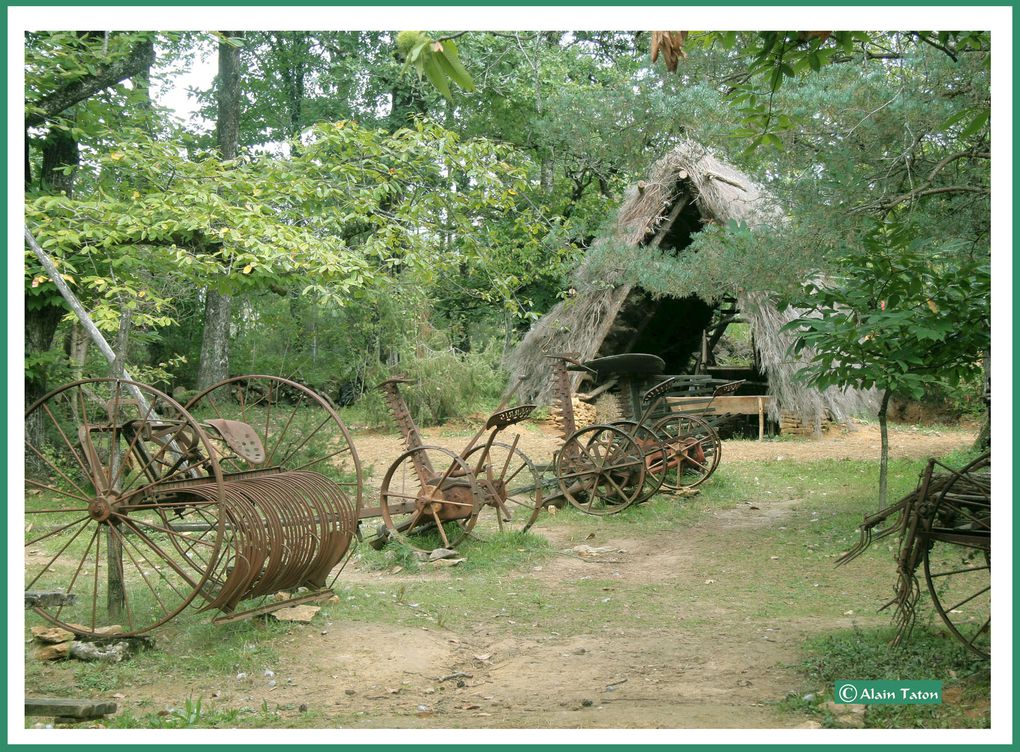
point(56, 652)
point(586, 703)
point(302, 708)
point(49, 598)
point(424, 711)
point(442, 553)
point(448, 562)
point(107, 653)
point(396, 570)
point(850, 715)
point(585, 550)
point(809, 697)
point(301, 614)
point(52, 635)
point(809, 725)
point(109, 631)
point(69, 710)
point(579, 651)
point(483, 657)
point(350, 692)
point(242, 676)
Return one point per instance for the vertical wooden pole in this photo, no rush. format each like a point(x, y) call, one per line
point(761, 419)
point(115, 597)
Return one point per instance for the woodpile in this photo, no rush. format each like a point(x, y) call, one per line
point(584, 414)
point(792, 424)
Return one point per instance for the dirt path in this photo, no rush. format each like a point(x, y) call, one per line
point(673, 673)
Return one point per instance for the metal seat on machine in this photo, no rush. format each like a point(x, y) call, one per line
point(241, 438)
point(625, 363)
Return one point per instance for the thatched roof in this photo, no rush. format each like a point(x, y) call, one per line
point(720, 193)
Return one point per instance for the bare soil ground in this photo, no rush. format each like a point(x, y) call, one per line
point(856, 442)
point(707, 662)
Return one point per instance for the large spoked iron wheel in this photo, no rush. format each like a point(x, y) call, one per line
point(693, 451)
point(958, 561)
point(296, 428)
point(427, 489)
point(600, 470)
point(123, 508)
point(654, 451)
point(510, 486)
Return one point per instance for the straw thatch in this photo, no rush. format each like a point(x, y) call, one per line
point(720, 193)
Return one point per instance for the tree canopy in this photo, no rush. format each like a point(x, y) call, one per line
point(434, 189)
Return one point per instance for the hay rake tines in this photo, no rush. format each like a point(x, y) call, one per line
point(137, 507)
point(944, 529)
point(431, 488)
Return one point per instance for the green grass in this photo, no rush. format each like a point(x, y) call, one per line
point(926, 655)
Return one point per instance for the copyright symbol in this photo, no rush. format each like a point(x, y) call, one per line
point(847, 693)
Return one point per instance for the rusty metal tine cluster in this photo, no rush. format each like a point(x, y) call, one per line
point(283, 531)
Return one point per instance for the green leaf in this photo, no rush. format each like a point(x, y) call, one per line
point(435, 74)
point(450, 61)
point(976, 124)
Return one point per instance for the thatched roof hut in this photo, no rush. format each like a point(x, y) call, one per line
point(685, 190)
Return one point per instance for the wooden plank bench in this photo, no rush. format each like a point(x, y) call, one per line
point(752, 404)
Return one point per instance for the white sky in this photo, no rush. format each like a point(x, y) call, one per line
point(199, 75)
point(999, 19)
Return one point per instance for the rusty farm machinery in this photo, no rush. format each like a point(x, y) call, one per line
point(242, 501)
point(429, 487)
point(944, 534)
point(247, 497)
point(138, 507)
point(606, 467)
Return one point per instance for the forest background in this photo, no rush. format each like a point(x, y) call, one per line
point(347, 216)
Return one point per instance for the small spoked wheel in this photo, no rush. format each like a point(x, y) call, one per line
point(693, 451)
point(958, 557)
point(510, 486)
point(654, 452)
point(430, 488)
point(600, 469)
point(123, 508)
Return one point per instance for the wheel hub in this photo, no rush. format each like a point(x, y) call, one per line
point(100, 509)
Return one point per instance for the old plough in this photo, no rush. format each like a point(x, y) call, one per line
point(944, 531)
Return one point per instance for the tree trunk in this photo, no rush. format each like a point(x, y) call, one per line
point(78, 350)
point(883, 465)
point(228, 97)
point(546, 164)
point(214, 359)
point(123, 338)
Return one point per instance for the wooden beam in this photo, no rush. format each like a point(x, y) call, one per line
point(664, 228)
point(62, 707)
point(752, 404)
